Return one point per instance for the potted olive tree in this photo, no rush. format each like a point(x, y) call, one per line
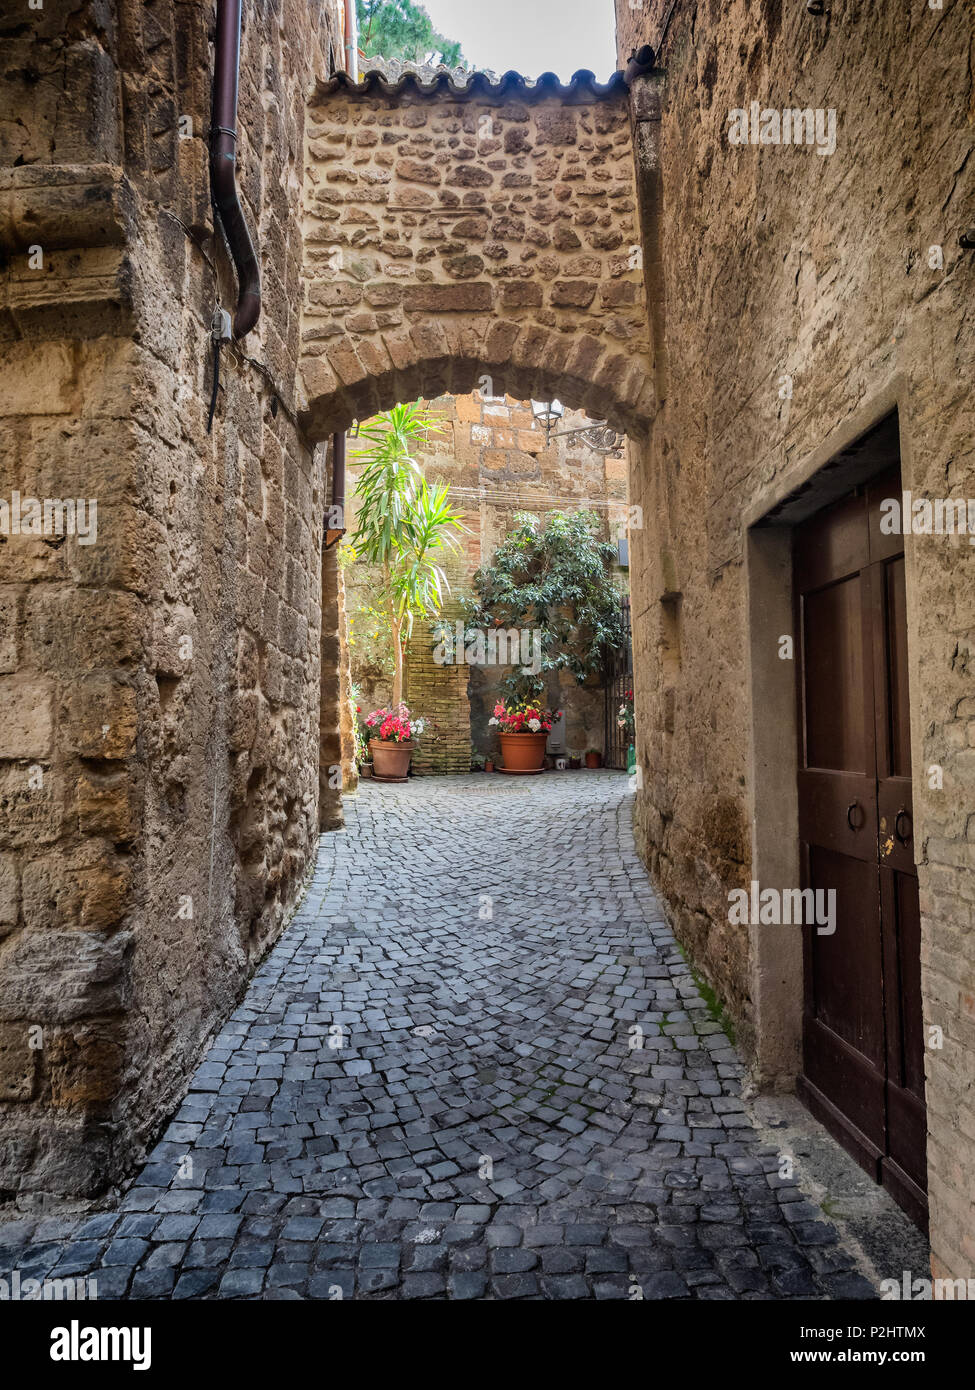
point(555, 581)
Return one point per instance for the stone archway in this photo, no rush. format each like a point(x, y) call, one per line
point(453, 238)
point(454, 233)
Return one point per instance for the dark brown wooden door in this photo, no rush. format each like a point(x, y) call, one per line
point(863, 1044)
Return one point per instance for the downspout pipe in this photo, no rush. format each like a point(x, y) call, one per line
point(338, 473)
point(223, 166)
point(351, 40)
point(335, 533)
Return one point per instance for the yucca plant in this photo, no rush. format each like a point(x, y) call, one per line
point(403, 525)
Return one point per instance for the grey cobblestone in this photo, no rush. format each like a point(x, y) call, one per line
point(430, 1089)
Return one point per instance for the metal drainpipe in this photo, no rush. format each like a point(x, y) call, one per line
point(351, 40)
point(335, 533)
point(223, 165)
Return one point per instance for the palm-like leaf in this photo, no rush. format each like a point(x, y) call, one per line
point(390, 481)
point(403, 523)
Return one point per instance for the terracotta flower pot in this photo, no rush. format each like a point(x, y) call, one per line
point(390, 760)
point(489, 765)
point(594, 760)
point(523, 752)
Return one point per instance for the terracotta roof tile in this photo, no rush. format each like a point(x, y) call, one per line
point(510, 87)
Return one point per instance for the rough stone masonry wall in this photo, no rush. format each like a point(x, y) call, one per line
point(158, 689)
point(450, 238)
point(779, 261)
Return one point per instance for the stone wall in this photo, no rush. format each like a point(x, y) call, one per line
point(159, 688)
point(804, 298)
point(495, 459)
point(452, 234)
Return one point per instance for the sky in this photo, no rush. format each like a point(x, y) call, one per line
point(531, 36)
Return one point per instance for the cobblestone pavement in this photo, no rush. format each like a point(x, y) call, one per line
point(484, 949)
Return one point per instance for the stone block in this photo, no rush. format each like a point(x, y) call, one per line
point(9, 892)
point(108, 806)
point(39, 378)
point(524, 294)
point(73, 631)
point(476, 296)
point(335, 295)
point(572, 294)
point(83, 1064)
point(9, 623)
point(26, 716)
point(418, 171)
point(18, 1062)
point(61, 976)
point(98, 718)
point(84, 889)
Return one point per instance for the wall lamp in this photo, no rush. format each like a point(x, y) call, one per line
point(599, 436)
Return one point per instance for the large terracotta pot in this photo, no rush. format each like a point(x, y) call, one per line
point(523, 752)
point(390, 759)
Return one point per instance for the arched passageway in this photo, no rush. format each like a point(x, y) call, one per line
point(455, 233)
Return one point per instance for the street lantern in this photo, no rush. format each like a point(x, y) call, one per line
point(599, 436)
point(548, 414)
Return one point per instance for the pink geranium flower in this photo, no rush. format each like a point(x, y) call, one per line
point(395, 726)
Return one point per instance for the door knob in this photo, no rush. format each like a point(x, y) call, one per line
point(903, 835)
point(853, 806)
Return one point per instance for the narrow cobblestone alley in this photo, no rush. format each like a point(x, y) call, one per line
point(483, 949)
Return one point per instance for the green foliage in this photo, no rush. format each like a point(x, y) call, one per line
point(558, 578)
point(388, 482)
point(714, 1004)
point(402, 29)
point(403, 524)
point(370, 635)
point(420, 583)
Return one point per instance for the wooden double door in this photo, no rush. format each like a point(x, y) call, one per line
point(863, 1038)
